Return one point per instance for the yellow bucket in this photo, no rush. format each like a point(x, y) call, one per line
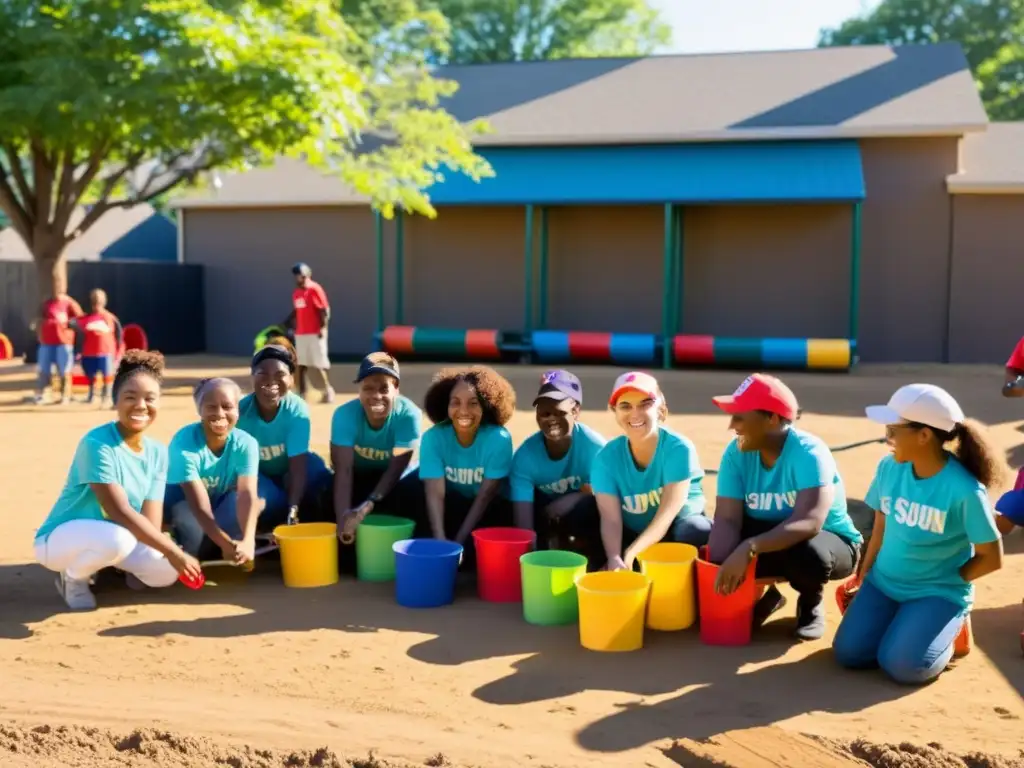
point(612, 606)
point(309, 554)
point(670, 567)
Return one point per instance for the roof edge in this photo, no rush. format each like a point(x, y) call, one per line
point(811, 133)
point(200, 203)
point(961, 184)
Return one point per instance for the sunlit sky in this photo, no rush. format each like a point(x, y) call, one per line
point(709, 26)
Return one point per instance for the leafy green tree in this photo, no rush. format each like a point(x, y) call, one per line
point(108, 103)
point(486, 31)
point(990, 31)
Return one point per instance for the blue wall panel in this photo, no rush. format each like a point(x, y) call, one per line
point(755, 172)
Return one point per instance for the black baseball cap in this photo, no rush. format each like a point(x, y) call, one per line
point(378, 362)
point(302, 268)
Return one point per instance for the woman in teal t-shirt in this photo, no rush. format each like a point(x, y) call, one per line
point(373, 439)
point(212, 505)
point(648, 481)
point(290, 474)
point(110, 510)
point(465, 458)
point(934, 535)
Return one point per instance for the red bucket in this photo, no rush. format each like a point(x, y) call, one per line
point(498, 573)
point(725, 619)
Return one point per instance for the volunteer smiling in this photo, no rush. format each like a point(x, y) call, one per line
point(934, 536)
point(648, 480)
point(780, 499)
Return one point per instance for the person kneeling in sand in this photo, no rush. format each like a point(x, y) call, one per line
point(373, 439)
point(648, 481)
point(550, 479)
point(934, 535)
point(212, 505)
point(110, 510)
point(465, 458)
point(781, 500)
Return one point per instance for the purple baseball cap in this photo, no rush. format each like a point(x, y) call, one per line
point(559, 385)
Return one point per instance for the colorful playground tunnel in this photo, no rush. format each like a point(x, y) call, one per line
point(626, 349)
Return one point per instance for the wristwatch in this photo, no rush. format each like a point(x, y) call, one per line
point(374, 497)
point(751, 549)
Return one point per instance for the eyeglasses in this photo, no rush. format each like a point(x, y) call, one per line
point(894, 429)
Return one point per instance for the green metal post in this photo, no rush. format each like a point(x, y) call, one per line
point(528, 273)
point(379, 232)
point(399, 268)
point(855, 272)
point(667, 291)
point(679, 280)
point(542, 288)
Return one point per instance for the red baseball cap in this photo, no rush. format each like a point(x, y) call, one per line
point(760, 392)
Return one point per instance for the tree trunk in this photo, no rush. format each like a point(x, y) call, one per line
point(51, 269)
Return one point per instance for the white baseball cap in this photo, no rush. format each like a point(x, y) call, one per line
point(634, 381)
point(919, 403)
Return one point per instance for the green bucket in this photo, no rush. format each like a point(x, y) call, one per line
point(375, 536)
point(261, 338)
point(549, 586)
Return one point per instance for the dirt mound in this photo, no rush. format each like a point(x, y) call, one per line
point(74, 747)
point(931, 756)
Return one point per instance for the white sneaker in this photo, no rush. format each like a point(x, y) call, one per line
point(76, 593)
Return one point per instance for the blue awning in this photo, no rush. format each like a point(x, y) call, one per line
point(756, 172)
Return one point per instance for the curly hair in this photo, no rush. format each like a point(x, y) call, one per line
point(135, 362)
point(496, 395)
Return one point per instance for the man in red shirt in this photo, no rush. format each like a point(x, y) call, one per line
point(101, 337)
point(57, 340)
point(310, 313)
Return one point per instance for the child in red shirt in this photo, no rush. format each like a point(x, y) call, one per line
point(56, 341)
point(101, 338)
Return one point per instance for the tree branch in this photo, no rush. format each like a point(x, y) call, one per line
point(18, 172)
point(20, 218)
point(42, 175)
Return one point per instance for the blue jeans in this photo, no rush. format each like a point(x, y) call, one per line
point(911, 641)
point(61, 356)
point(185, 529)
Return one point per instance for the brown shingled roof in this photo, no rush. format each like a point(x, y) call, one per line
point(991, 162)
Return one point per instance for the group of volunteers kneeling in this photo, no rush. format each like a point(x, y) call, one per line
point(245, 467)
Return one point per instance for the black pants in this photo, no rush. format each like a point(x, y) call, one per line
point(498, 514)
point(578, 530)
point(403, 501)
point(807, 566)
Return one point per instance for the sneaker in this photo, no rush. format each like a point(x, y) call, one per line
point(771, 601)
point(810, 618)
point(76, 593)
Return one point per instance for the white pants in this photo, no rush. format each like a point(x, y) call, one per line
point(312, 351)
point(81, 548)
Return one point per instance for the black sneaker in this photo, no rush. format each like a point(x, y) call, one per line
point(810, 618)
point(771, 601)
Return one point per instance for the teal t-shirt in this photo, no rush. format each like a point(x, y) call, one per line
point(189, 458)
point(639, 490)
point(103, 457)
point(285, 437)
point(374, 448)
point(533, 469)
point(465, 469)
point(931, 526)
point(770, 494)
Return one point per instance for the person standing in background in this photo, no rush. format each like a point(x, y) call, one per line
point(57, 340)
point(310, 313)
point(102, 336)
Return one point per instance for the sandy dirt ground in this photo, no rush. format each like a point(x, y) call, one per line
point(251, 674)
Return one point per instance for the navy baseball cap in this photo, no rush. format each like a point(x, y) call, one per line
point(302, 268)
point(378, 362)
point(559, 385)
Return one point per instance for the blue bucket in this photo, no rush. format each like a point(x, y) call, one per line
point(425, 571)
